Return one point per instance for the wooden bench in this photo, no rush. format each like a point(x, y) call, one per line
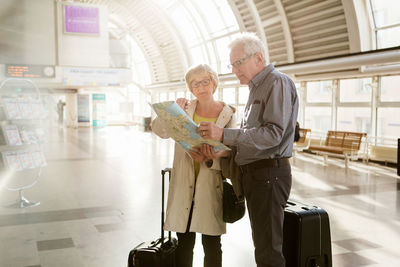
point(340, 143)
point(304, 141)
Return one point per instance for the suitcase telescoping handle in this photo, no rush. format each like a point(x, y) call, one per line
point(162, 203)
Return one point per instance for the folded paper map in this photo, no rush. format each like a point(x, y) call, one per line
point(182, 128)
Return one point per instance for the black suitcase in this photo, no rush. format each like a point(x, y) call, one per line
point(306, 236)
point(158, 253)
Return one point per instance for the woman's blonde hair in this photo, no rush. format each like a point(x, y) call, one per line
point(200, 69)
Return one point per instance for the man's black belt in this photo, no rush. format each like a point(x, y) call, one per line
point(266, 163)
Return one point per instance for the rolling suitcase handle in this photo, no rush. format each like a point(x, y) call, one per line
point(159, 252)
point(162, 203)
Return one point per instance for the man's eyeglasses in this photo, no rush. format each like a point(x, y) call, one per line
point(239, 62)
point(204, 82)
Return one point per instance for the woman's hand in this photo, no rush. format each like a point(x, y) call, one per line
point(183, 103)
point(197, 155)
point(208, 151)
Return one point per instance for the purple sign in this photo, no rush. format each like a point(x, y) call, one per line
point(81, 19)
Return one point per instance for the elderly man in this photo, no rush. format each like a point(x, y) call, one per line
point(264, 144)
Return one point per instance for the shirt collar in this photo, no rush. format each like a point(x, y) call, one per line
point(261, 76)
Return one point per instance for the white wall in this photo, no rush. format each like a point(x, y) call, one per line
point(27, 32)
point(83, 50)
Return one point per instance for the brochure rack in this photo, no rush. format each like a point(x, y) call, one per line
point(21, 137)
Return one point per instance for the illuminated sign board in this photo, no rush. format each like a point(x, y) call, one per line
point(29, 71)
point(81, 19)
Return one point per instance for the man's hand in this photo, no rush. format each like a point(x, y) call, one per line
point(209, 152)
point(183, 103)
point(196, 155)
point(209, 130)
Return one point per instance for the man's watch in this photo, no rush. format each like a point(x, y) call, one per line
point(209, 163)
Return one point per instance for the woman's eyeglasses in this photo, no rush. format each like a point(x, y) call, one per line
point(204, 82)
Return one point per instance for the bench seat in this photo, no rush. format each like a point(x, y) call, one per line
point(340, 143)
point(331, 149)
point(304, 141)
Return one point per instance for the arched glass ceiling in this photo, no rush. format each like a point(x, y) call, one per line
point(135, 58)
point(386, 17)
point(205, 27)
point(140, 67)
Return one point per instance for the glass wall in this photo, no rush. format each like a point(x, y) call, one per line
point(351, 107)
point(344, 104)
point(386, 18)
point(318, 118)
point(390, 89)
point(317, 111)
point(388, 123)
point(319, 92)
point(388, 108)
point(207, 26)
point(229, 95)
point(355, 90)
point(354, 119)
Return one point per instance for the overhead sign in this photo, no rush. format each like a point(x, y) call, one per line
point(29, 71)
point(81, 19)
point(96, 77)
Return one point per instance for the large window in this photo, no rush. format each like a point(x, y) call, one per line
point(318, 118)
point(243, 95)
point(207, 27)
point(388, 123)
point(354, 119)
point(300, 115)
point(319, 92)
point(163, 97)
point(140, 68)
point(317, 112)
point(353, 111)
point(355, 90)
point(386, 18)
point(228, 96)
point(390, 89)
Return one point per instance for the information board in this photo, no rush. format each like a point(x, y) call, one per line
point(29, 71)
point(81, 19)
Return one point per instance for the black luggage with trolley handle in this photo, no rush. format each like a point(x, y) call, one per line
point(306, 236)
point(158, 253)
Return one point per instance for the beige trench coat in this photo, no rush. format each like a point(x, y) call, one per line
point(207, 209)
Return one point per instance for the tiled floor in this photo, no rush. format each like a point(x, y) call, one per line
point(100, 197)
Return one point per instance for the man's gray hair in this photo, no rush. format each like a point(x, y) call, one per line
point(251, 44)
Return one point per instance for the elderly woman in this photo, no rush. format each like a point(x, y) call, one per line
point(195, 191)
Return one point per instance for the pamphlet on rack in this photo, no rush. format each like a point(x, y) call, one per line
point(12, 135)
point(12, 160)
point(182, 128)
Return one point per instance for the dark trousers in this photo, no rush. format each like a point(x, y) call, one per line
point(267, 190)
point(211, 247)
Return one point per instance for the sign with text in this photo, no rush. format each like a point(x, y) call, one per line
point(99, 110)
point(95, 77)
point(81, 19)
point(29, 71)
point(83, 108)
